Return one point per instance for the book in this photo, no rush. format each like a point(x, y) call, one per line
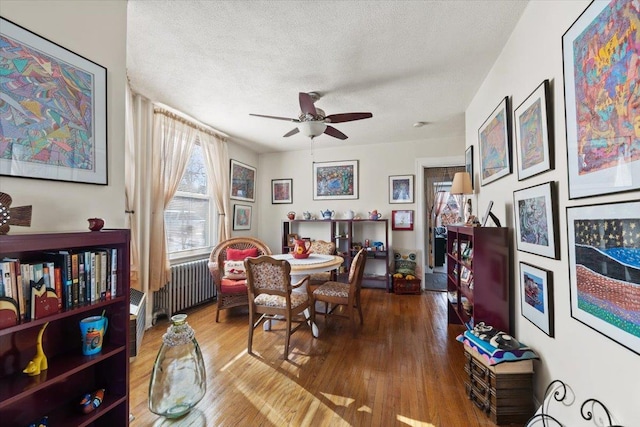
point(94, 276)
point(114, 272)
point(58, 284)
point(14, 283)
point(75, 279)
point(62, 259)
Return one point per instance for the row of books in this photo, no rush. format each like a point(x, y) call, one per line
point(76, 278)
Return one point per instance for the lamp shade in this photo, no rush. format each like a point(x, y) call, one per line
point(461, 183)
point(312, 128)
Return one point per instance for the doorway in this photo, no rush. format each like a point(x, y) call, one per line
point(441, 210)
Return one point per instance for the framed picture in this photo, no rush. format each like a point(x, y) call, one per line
point(465, 276)
point(281, 191)
point(401, 189)
point(604, 272)
point(536, 296)
point(243, 181)
point(402, 220)
point(494, 140)
point(335, 180)
point(468, 163)
point(241, 217)
point(291, 239)
point(603, 155)
point(535, 215)
point(534, 133)
point(55, 126)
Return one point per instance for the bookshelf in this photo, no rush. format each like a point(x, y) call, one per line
point(478, 276)
point(348, 235)
point(57, 391)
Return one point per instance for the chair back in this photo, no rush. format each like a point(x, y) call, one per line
point(219, 253)
point(357, 267)
point(323, 248)
point(266, 275)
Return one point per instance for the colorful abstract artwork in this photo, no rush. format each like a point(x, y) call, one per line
point(602, 87)
point(533, 135)
point(494, 137)
point(401, 189)
point(537, 296)
point(53, 110)
point(241, 217)
point(604, 269)
point(335, 180)
point(281, 191)
point(243, 181)
point(536, 220)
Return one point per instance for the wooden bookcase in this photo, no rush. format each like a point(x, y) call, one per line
point(484, 297)
point(57, 391)
point(346, 233)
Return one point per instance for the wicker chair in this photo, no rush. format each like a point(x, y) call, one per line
point(323, 248)
point(231, 293)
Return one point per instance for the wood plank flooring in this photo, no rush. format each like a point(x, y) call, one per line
point(403, 368)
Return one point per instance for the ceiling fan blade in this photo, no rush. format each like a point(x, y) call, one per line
point(306, 104)
point(276, 117)
point(291, 132)
point(330, 130)
point(347, 117)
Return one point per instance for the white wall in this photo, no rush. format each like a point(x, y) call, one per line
point(593, 365)
point(97, 31)
point(376, 163)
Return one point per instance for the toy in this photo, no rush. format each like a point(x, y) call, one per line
point(39, 361)
point(91, 401)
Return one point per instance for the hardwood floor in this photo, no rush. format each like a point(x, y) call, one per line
point(404, 368)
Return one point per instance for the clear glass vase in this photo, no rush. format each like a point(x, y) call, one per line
point(178, 381)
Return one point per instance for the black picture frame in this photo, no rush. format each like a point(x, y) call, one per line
point(536, 220)
point(281, 191)
point(536, 297)
point(468, 164)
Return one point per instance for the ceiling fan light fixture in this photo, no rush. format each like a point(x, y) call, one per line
point(312, 128)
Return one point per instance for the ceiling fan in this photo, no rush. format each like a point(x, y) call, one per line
point(313, 121)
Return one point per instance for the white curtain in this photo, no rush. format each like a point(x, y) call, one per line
point(172, 142)
point(139, 121)
point(217, 157)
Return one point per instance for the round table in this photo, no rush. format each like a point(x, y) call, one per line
point(315, 263)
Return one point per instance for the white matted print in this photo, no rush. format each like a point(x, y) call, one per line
point(241, 217)
point(536, 296)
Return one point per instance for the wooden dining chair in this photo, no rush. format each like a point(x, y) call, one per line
point(271, 296)
point(323, 248)
point(343, 295)
point(231, 290)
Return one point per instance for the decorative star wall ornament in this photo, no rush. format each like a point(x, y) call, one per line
point(20, 215)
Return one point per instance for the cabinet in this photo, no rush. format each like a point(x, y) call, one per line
point(57, 391)
point(478, 263)
point(349, 235)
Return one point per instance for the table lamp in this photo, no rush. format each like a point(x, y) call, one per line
point(462, 185)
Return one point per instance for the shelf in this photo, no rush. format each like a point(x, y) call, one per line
point(56, 391)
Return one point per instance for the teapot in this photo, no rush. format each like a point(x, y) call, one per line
point(301, 248)
point(327, 214)
point(374, 214)
point(291, 215)
point(306, 215)
point(349, 214)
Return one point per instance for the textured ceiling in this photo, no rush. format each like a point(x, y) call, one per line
point(403, 61)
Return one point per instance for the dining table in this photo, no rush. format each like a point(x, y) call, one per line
point(301, 267)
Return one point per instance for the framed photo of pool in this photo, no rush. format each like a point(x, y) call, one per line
point(604, 269)
point(536, 296)
point(603, 149)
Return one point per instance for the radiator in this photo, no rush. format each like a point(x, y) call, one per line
point(191, 284)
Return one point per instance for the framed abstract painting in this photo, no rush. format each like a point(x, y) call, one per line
point(281, 191)
point(536, 220)
point(335, 180)
point(600, 59)
point(604, 269)
point(241, 217)
point(53, 113)
point(536, 296)
point(534, 134)
point(401, 189)
point(243, 181)
point(494, 141)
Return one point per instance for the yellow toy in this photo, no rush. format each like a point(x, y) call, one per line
point(39, 361)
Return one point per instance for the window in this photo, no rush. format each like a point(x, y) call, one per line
point(189, 218)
